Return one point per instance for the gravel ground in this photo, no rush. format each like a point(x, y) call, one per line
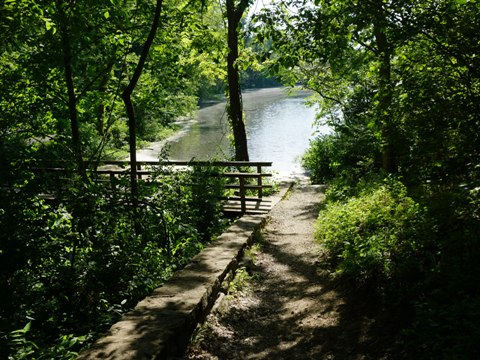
point(289, 308)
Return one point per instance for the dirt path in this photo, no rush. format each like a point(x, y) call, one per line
point(276, 317)
point(290, 308)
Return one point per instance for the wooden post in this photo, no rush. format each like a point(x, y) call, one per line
point(112, 180)
point(259, 182)
point(242, 194)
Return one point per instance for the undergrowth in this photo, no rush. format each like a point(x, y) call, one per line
point(419, 255)
point(380, 236)
point(70, 268)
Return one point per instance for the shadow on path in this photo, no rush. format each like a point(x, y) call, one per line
point(293, 309)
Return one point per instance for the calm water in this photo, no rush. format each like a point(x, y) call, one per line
point(279, 128)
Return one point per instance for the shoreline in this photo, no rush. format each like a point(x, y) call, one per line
point(250, 99)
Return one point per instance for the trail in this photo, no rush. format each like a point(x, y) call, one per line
point(292, 308)
point(277, 318)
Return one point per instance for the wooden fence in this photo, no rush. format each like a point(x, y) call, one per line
point(248, 186)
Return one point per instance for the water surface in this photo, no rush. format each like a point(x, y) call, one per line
point(279, 128)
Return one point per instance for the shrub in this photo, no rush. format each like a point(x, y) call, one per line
point(72, 266)
point(378, 236)
point(318, 159)
point(348, 153)
point(447, 314)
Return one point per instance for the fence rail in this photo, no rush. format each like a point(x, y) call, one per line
point(241, 180)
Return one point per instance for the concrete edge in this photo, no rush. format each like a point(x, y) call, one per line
point(160, 326)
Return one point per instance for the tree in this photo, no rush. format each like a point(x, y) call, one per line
point(64, 21)
point(66, 264)
point(132, 121)
point(235, 11)
point(337, 49)
point(383, 52)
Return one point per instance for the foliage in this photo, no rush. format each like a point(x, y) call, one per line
point(243, 276)
point(104, 42)
point(241, 281)
point(70, 261)
point(398, 79)
point(348, 155)
point(380, 236)
point(414, 255)
point(446, 313)
point(414, 93)
point(71, 268)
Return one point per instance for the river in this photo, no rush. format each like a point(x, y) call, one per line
point(279, 128)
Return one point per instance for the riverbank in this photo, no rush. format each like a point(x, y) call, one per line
point(214, 112)
point(279, 126)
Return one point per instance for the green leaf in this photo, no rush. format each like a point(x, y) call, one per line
point(106, 14)
point(50, 25)
point(27, 327)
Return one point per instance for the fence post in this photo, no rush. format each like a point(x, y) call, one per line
point(139, 167)
point(242, 194)
point(112, 180)
point(259, 182)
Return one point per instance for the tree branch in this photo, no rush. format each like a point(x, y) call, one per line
point(132, 122)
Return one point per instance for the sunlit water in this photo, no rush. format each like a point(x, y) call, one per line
point(279, 128)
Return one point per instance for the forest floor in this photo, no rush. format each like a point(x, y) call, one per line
point(289, 306)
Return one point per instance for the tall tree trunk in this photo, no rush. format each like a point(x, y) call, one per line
point(72, 99)
point(385, 93)
point(132, 121)
point(235, 111)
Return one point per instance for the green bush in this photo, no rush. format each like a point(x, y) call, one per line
point(378, 236)
point(318, 159)
point(70, 268)
point(351, 156)
point(447, 314)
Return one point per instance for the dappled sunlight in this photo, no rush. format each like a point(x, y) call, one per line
point(161, 324)
point(293, 309)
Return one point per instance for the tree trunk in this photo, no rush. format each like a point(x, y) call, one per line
point(385, 93)
point(132, 121)
point(235, 110)
point(72, 99)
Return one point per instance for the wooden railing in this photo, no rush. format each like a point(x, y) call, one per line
point(242, 182)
